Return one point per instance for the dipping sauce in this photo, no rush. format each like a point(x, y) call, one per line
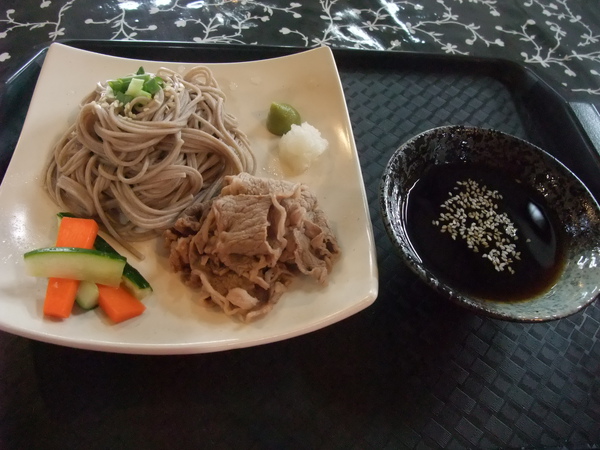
point(484, 233)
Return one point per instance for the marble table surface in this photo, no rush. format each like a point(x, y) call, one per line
point(558, 39)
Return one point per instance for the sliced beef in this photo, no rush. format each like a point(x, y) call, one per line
point(243, 248)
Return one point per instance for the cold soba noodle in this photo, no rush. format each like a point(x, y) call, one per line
point(136, 166)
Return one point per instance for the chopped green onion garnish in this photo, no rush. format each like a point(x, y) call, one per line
point(123, 98)
point(135, 86)
point(153, 85)
point(117, 85)
point(141, 84)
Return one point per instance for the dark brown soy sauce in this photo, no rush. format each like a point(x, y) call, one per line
point(540, 236)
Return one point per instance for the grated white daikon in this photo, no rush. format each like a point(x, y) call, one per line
point(300, 146)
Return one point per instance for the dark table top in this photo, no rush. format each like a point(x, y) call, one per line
point(410, 371)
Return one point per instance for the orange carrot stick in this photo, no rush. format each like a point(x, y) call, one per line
point(76, 232)
point(60, 293)
point(118, 304)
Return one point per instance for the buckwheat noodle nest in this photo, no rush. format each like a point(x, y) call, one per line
point(137, 170)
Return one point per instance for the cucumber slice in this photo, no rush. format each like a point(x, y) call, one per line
point(62, 214)
point(132, 279)
point(87, 295)
point(76, 264)
point(135, 283)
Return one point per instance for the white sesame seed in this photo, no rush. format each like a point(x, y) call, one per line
point(472, 213)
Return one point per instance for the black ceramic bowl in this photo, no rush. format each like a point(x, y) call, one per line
point(576, 213)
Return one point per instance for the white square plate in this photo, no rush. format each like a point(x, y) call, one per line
point(173, 322)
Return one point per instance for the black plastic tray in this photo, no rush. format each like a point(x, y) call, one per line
point(411, 371)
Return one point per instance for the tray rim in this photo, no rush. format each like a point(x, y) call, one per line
point(270, 51)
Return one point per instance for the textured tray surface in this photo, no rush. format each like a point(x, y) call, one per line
point(481, 382)
point(410, 371)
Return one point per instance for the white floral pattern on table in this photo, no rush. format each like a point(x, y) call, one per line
point(559, 39)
